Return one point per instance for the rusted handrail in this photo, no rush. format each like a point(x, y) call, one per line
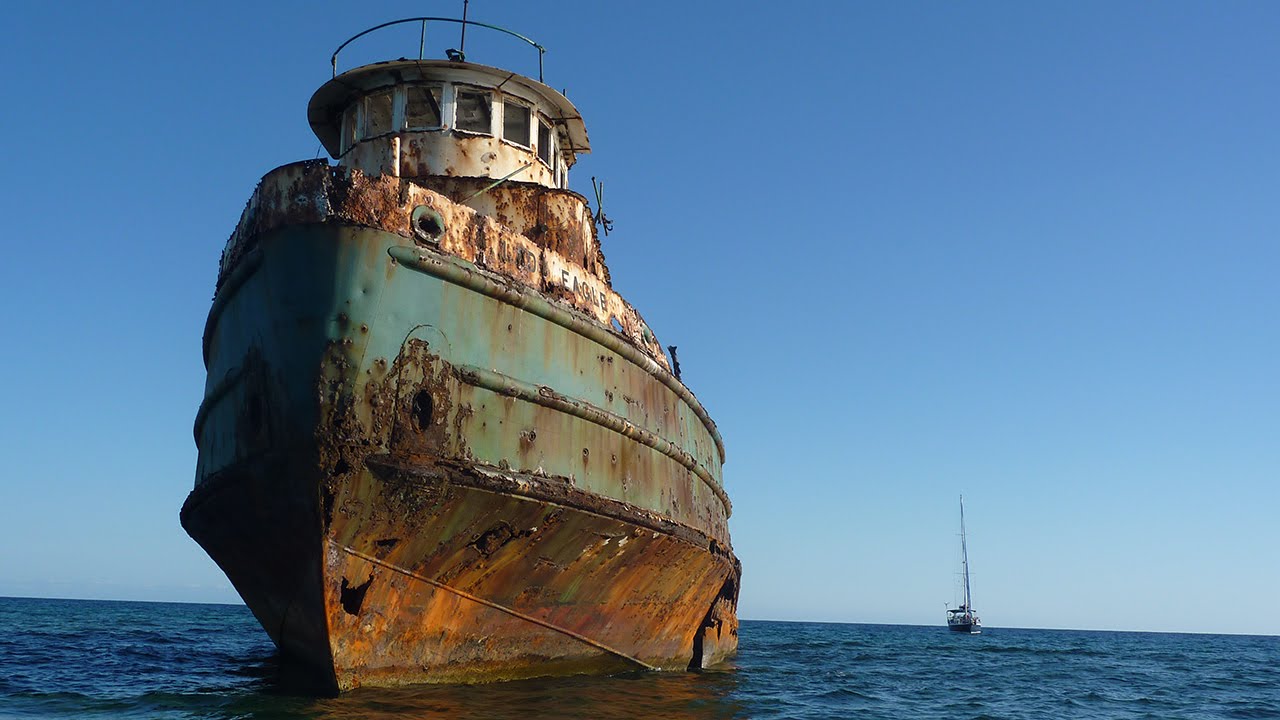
point(333, 60)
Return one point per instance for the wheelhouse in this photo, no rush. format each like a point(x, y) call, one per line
point(416, 118)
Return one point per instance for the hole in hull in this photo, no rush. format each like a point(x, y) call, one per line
point(352, 597)
point(712, 622)
point(422, 411)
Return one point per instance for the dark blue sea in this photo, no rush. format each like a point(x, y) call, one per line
point(91, 659)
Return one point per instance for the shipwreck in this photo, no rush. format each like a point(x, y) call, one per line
point(435, 445)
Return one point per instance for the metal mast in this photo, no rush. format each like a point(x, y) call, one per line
point(964, 554)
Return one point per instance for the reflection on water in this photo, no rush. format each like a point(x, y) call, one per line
point(697, 696)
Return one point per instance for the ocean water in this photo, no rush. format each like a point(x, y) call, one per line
point(90, 659)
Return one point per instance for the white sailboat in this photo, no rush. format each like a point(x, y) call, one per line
point(964, 619)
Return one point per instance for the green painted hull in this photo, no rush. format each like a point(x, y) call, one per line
point(414, 469)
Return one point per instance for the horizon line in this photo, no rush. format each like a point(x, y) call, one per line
point(752, 620)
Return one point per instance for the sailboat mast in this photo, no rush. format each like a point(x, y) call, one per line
point(964, 553)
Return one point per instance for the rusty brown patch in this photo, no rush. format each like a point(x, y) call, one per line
point(526, 233)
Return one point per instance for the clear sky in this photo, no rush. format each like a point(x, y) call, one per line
point(1024, 251)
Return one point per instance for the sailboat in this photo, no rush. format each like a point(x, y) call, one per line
point(964, 619)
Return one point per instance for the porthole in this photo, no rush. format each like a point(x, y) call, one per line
point(427, 224)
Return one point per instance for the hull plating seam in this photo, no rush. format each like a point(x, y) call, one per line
point(453, 271)
point(244, 270)
point(551, 489)
point(226, 477)
point(214, 396)
point(548, 397)
point(495, 606)
point(547, 489)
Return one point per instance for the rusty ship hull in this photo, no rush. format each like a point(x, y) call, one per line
point(447, 451)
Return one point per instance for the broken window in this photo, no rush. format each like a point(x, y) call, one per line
point(473, 112)
point(515, 123)
point(422, 107)
point(378, 114)
point(349, 127)
point(544, 142)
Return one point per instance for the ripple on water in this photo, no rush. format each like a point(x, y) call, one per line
point(76, 659)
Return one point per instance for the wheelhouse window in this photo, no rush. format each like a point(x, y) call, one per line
point(515, 123)
point(422, 107)
point(544, 143)
point(474, 112)
point(378, 111)
point(349, 126)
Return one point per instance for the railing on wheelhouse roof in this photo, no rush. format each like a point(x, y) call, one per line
point(457, 55)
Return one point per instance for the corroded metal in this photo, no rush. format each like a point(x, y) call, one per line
point(548, 397)
point(503, 575)
point(436, 446)
point(561, 259)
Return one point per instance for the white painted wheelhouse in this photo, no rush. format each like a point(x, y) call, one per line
point(416, 118)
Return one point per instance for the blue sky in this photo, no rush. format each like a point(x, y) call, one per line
point(1023, 251)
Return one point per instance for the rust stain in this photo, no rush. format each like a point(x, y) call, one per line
point(444, 571)
point(543, 238)
point(490, 562)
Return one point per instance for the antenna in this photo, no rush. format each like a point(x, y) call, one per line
point(460, 54)
point(601, 219)
point(462, 46)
